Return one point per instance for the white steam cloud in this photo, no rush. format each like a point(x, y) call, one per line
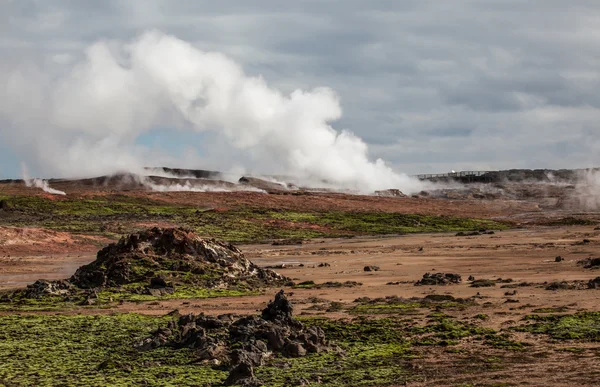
point(83, 117)
point(38, 183)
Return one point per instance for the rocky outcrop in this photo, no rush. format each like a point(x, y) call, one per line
point(439, 279)
point(172, 252)
point(243, 343)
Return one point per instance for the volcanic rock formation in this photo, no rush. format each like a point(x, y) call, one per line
point(244, 343)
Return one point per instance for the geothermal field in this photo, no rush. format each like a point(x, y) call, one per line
point(174, 277)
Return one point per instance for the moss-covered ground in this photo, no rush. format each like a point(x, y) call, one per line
point(365, 350)
point(84, 350)
point(578, 326)
point(114, 215)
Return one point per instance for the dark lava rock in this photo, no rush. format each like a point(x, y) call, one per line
point(242, 375)
point(559, 259)
point(324, 264)
point(41, 288)
point(469, 233)
point(566, 285)
point(439, 279)
point(590, 263)
point(483, 283)
point(439, 298)
point(158, 282)
point(241, 344)
point(137, 257)
point(371, 268)
point(594, 283)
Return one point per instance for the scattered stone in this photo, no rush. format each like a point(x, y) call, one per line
point(474, 233)
point(439, 298)
point(439, 279)
point(469, 233)
point(371, 268)
point(559, 259)
point(41, 288)
point(594, 283)
point(329, 284)
point(400, 282)
point(590, 263)
point(471, 278)
point(324, 264)
point(566, 285)
point(244, 343)
point(483, 283)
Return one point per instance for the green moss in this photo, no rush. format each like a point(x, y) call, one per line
point(181, 292)
point(108, 298)
point(410, 306)
point(504, 341)
point(114, 215)
point(99, 350)
point(584, 326)
point(69, 350)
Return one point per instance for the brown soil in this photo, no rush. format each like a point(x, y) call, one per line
point(523, 255)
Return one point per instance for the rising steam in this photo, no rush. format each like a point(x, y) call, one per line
point(93, 109)
point(38, 183)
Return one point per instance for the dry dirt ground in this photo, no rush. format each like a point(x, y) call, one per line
point(523, 255)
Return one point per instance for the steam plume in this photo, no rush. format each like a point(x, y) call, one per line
point(93, 109)
point(38, 183)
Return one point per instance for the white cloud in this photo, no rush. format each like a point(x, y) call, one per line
point(493, 83)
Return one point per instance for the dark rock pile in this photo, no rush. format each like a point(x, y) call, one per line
point(439, 279)
point(567, 285)
point(176, 255)
point(244, 343)
point(590, 263)
point(594, 283)
point(41, 288)
point(474, 233)
point(371, 268)
point(155, 262)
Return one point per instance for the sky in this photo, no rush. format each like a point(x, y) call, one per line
point(429, 86)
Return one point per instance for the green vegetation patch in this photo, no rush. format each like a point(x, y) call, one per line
point(398, 305)
point(92, 351)
point(114, 215)
point(85, 350)
point(583, 326)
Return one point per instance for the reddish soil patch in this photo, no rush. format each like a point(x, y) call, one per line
point(19, 241)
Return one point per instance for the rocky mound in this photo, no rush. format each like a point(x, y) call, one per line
point(166, 257)
point(241, 344)
point(156, 262)
point(439, 279)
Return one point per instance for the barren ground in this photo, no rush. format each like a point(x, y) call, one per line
point(524, 254)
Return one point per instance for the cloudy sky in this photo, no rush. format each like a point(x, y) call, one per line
point(430, 86)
